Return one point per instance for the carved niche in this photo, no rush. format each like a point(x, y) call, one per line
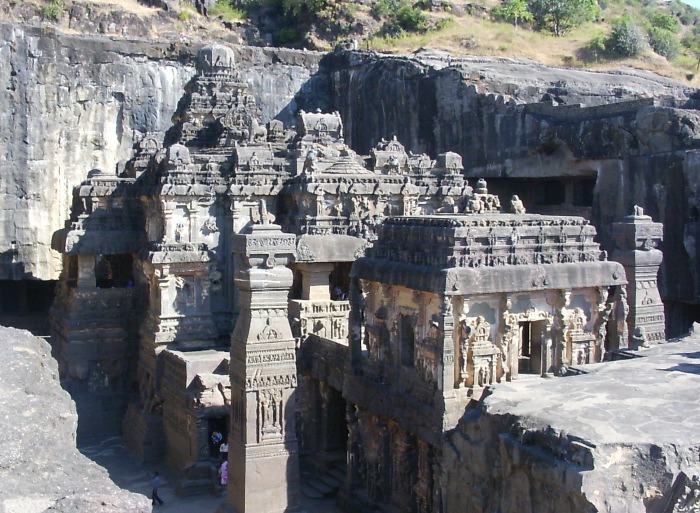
point(580, 344)
point(478, 355)
point(270, 415)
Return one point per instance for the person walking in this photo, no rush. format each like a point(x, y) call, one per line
point(156, 485)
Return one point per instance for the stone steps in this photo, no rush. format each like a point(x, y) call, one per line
point(188, 487)
point(325, 484)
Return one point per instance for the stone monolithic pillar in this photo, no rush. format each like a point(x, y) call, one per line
point(263, 452)
point(637, 238)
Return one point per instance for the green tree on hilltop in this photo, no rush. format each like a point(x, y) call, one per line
point(559, 16)
point(514, 11)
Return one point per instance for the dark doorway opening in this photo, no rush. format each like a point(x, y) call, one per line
point(530, 352)
point(407, 339)
point(340, 281)
point(219, 425)
point(24, 304)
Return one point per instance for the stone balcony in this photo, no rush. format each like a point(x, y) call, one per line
point(326, 319)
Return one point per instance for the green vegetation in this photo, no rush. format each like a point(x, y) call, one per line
point(560, 16)
point(318, 8)
point(512, 11)
point(399, 16)
point(52, 10)
point(627, 39)
point(664, 42)
point(227, 11)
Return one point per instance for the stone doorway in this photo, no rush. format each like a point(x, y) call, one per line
point(530, 350)
point(221, 425)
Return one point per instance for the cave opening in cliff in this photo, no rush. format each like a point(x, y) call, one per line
point(24, 304)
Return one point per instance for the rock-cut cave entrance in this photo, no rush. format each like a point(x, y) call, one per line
point(530, 350)
point(25, 304)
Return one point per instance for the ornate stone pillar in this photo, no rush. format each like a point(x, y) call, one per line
point(636, 240)
point(315, 279)
point(263, 452)
point(86, 272)
point(447, 326)
point(556, 358)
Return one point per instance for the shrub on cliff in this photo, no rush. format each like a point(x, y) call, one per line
point(52, 10)
point(399, 16)
point(627, 38)
point(662, 31)
point(664, 42)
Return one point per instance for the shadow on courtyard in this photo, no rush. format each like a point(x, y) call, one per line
point(127, 473)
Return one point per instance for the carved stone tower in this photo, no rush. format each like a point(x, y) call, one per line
point(637, 238)
point(263, 457)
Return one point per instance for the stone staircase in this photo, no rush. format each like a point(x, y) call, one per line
point(325, 483)
point(199, 479)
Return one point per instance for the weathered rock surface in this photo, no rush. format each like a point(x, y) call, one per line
point(633, 134)
point(622, 438)
point(474, 105)
point(74, 103)
point(40, 467)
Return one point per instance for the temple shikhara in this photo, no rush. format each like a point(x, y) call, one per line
point(330, 313)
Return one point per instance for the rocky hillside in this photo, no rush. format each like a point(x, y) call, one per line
point(41, 468)
point(659, 36)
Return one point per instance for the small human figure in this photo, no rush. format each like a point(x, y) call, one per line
point(216, 439)
point(223, 451)
point(223, 473)
point(155, 483)
point(337, 294)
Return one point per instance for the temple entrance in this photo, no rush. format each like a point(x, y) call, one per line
point(336, 429)
point(530, 351)
point(407, 339)
point(324, 437)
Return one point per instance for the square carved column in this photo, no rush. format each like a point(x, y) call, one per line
point(263, 452)
point(637, 239)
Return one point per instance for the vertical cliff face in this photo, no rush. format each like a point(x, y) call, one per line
point(473, 106)
point(70, 104)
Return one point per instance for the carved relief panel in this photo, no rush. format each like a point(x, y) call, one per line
point(270, 415)
point(580, 344)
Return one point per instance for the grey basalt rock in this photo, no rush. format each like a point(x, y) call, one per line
point(70, 104)
point(621, 438)
point(40, 467)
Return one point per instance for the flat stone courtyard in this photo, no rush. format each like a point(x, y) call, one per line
point(130, 475)
point(649, 400)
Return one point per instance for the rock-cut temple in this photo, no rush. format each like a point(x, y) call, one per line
point(323, 310)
